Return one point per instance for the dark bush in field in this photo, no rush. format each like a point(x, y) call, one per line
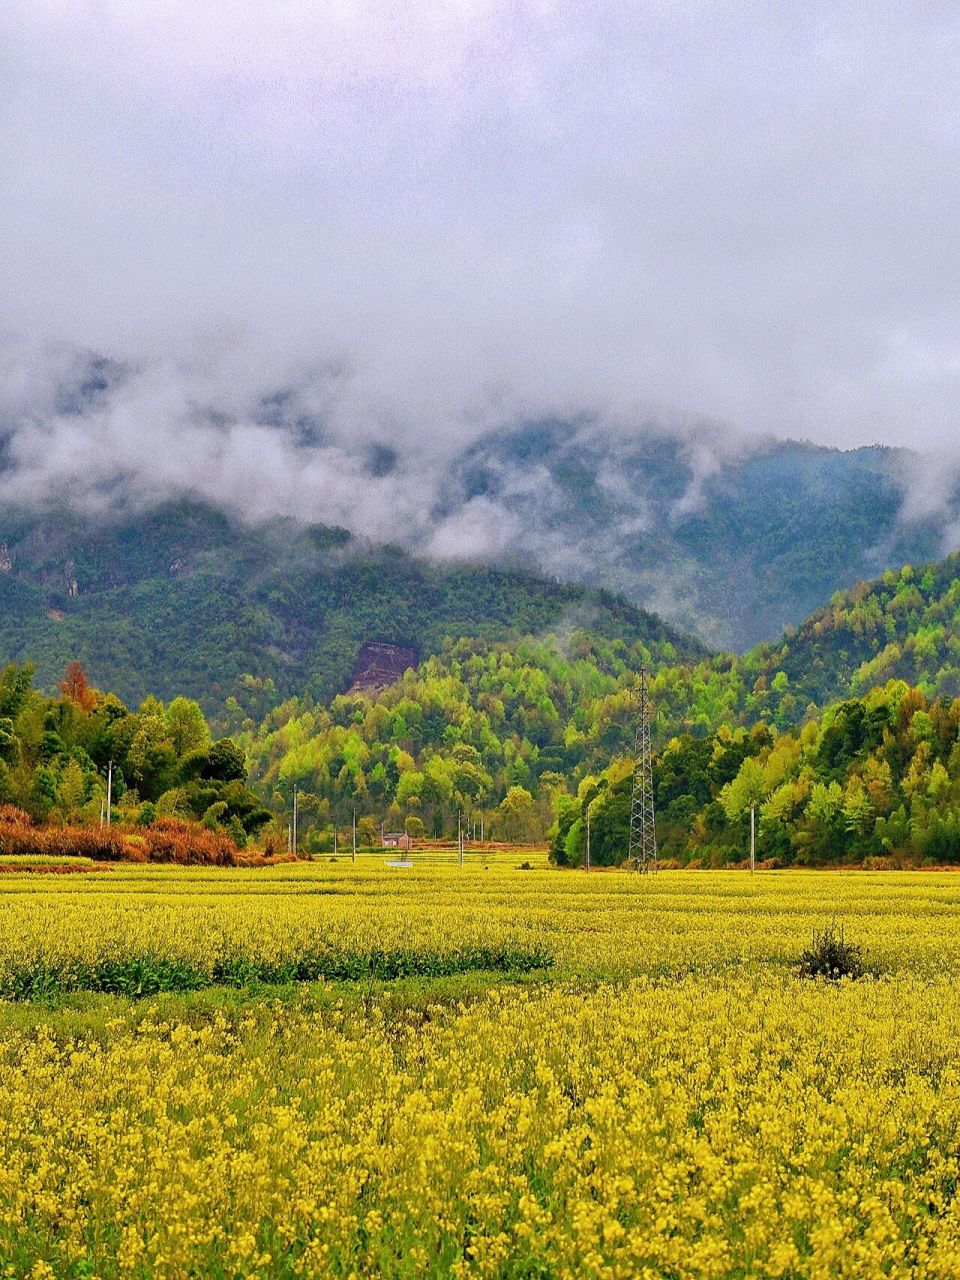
point(830, 956)
point(150, 973)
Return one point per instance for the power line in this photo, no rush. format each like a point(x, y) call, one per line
point(642, 853)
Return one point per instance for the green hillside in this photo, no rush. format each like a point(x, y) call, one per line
point(844, 733)
point(184, 601)
point(732, 542)
point(479, 719)
point(904, 625)
point(870, 778)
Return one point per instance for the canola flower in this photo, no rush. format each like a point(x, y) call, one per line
point(692, 1129)
point(147, 929)
point(670, 1101)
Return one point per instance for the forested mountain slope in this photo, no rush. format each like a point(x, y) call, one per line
point(876, 777)
point(730, 541)
point(480, 718)
point(849, 757)
point(905, 624)
point(185, 601)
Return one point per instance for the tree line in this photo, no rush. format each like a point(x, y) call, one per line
point(57, 753)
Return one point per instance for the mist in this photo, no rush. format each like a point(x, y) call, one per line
point(314, 254)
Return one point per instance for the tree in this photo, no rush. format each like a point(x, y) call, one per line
point(151, 759)
point(6, 786)
point(743, 794)
point(186, 726)
point(567, 811)
point(72, 789)
point(15, 683)
point(75, 688)
point(225, 761)
point(9, 742)
point(518, 815)
point(610, 816)
point(368, 833)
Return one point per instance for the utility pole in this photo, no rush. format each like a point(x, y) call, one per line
point(588, 837)
point(294, 820)
point(460, 837)
point(109, 790)
point(334, 841)
point(354, 834)
point(642, 852)
point(753, 836)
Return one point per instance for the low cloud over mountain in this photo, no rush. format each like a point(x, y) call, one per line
point(731, 537)
point(494, 278)
point(741, 211)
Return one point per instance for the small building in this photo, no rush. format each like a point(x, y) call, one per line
point(397, 840)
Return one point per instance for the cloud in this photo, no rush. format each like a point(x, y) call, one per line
point(310, 260)
point(740, 211)
point(479, 530)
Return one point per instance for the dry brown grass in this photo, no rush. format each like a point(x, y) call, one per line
point(166, 840)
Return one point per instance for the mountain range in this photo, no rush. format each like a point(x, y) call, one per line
point(185, 600)
point(729, 541)
point(655, 539)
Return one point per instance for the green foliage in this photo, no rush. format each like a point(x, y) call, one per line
point(871, 778)
point(185, 604)
point(55, 753)
point(147, 814)
point(518, 815)
point(150, 973)
point(520, 715)
point(225, 762)
point(902, 626)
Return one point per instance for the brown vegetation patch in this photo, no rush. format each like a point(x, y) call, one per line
point(381, 665)
point(166, 840)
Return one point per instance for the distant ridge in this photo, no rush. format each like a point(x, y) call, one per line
point(184, 600)
point(730, 540)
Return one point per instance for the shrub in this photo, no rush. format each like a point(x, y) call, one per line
point(147, 814)
point(164, 840)
point(20, 838)
point(11, 816)
point(830, 956)
point(272, 847)
point(174, 840)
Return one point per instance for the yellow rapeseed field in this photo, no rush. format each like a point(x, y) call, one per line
point(661, 1096)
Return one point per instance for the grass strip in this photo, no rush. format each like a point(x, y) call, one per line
point(150, 974)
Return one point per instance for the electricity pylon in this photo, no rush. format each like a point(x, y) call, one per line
point(642, 854)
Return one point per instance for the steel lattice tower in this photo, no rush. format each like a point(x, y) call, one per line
point(642, 853)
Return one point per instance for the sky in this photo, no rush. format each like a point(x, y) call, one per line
point(418, 221)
